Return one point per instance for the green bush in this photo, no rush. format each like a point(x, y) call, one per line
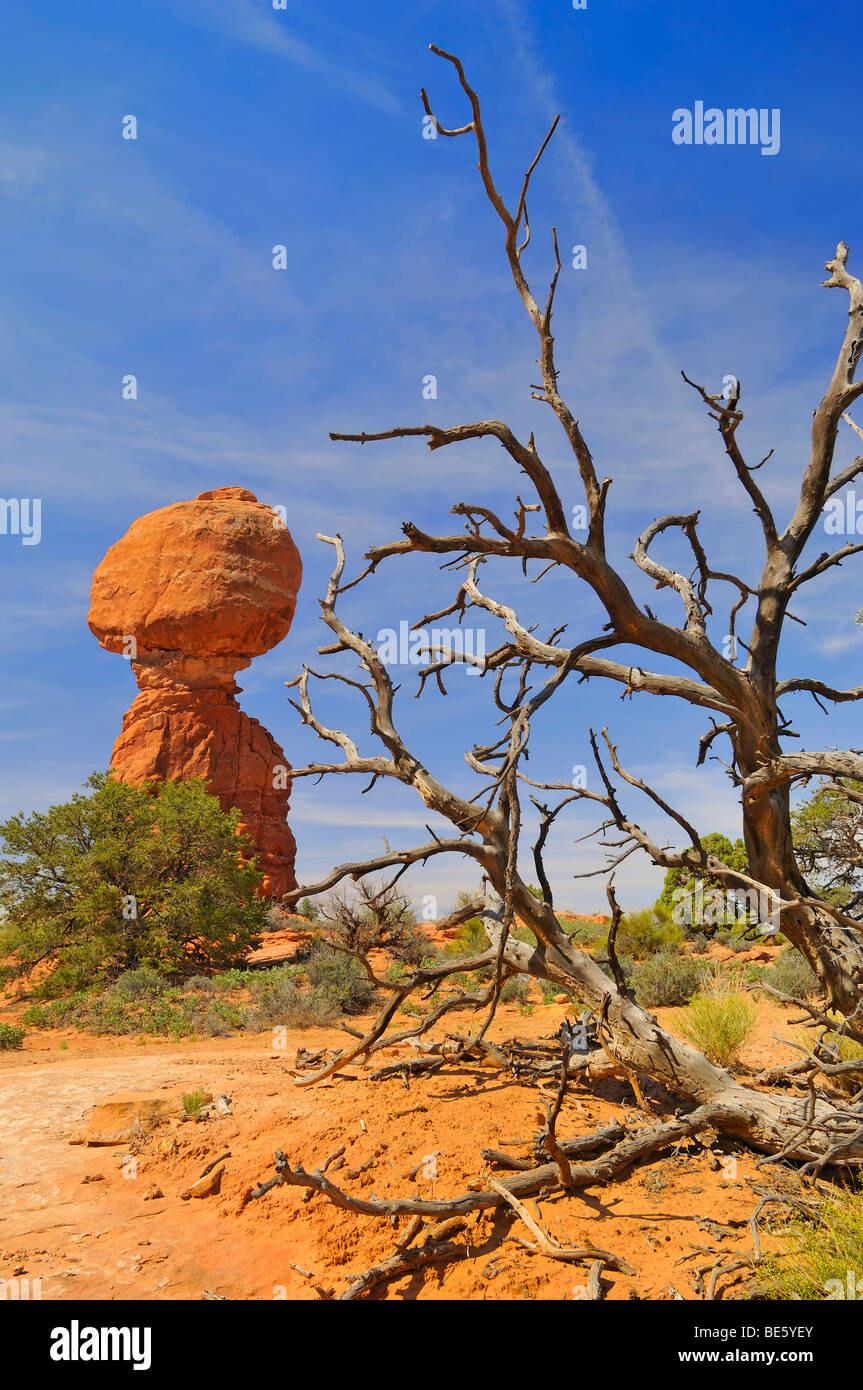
point(718, 1024)
point(821, 1246)
point(194, 1101)
point(165, 1015)
point(792, 974)
point(516, 989)
point(647, 932)
point(844, 1049)
point(732, 941)
point(200, 984)
point(143, 983)
point(469, 940)
point(587, 934)
point(665, 979)
point(339, 978)
point(699, 943)
point(123, 878)
point(11, 1037)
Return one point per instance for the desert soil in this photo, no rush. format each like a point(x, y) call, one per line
point(76, 1218)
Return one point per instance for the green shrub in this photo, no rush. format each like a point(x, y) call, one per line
point(469, 940)
point(665, 979)
point(580, 933)
point(200, 984)
point(516, 988)
point(732, 940)
point(699, 943)
point(821, 1247)
point(194, 1101)
point(286, 1006)
point(11, 1037)
point(151, 877)
point(718, 1024)
point(341, 979)
point(792, 974)
point(164, 1015)
point(647, 932)
point(844, 1049)
point(142, 983)
point(626, 963)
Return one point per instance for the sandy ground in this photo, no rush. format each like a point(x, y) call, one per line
point(76, 1217)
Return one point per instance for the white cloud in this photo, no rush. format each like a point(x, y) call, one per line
point(274, 33)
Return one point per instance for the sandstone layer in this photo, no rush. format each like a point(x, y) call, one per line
point(190, 595)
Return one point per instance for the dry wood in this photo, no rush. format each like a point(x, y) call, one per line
point(601, 1170)
point(547, 1245)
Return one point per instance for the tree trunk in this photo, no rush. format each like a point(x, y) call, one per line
point(833, 949)
point(767, 1122)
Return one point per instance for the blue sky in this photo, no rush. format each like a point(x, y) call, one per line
point(303, 127)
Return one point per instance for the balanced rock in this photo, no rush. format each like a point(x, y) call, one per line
point(191, 594)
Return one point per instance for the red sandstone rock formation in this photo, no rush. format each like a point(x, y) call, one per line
point(191, 594)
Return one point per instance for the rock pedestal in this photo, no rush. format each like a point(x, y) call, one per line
point(190, 595)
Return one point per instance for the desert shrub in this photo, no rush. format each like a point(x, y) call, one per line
point(167, 1014)
point(516, 989)
point(646, 932)
point(665, 978)
point(580, 933)
point(733, 940)
point(792, 974)
point(821, 1246)
point(699, 943)
point(626, 963)
point(718, 1024)
point(469, 940)
point(11, 1036)
point(285, 1005)
point(308, 909)
point(194, 1101)
point(151, 877)
point(142, 983)
point(339, 978)
point(200, 984)
point(844, 1049)
point(416, 947)
point(373, 917)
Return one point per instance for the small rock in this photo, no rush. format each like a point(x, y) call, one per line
point(153, 1193)
point(561, 999)
point(205, 1187)
point(169, 1146)
point(93, 1177)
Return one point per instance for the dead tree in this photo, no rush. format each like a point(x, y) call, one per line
point(487, 828)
